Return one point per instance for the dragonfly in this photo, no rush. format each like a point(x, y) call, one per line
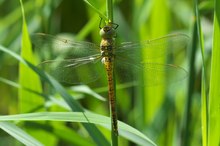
point(78, 62)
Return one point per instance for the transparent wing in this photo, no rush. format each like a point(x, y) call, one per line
point(155, 48)
point(70, 62)
point(51, 47)
point(74, 71)
point(150, 59)
point(151, 73)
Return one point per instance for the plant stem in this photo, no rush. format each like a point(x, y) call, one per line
point(109, 8)
point(114, 134)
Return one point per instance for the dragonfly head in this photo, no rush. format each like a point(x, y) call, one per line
point(107, 32)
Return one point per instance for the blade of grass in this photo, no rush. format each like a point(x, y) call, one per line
point(204, 80)
point(8, 82)
point(186, 128)
point(85, 89)
point(28, 101)
point(19, 134)
point(214, 100)
point(27, 77)
point(84, 117)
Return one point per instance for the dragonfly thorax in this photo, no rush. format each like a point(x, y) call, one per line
point(107, 50)
point(107, 44)
point(107, 32)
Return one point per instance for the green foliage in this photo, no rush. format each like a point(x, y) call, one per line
point(214, 101)
point(125, 130)
point(204, 104)
point(27, 78)
point(19, 134)
point(34, 105)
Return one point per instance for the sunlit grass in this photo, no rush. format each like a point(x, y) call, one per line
point(214, 100)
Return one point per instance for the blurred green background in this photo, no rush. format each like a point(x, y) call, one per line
point(169, 115)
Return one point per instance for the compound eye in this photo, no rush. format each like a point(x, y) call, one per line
point(106, 28)
point(107, 32)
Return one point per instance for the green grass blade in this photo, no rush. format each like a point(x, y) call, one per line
point(73, 104)
point(214, 100)
point(85, 89)
point(8, 82)
point(19, 134)
point(27, 77)
point(186, 128)
point(84, 117)
point(204, 113)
